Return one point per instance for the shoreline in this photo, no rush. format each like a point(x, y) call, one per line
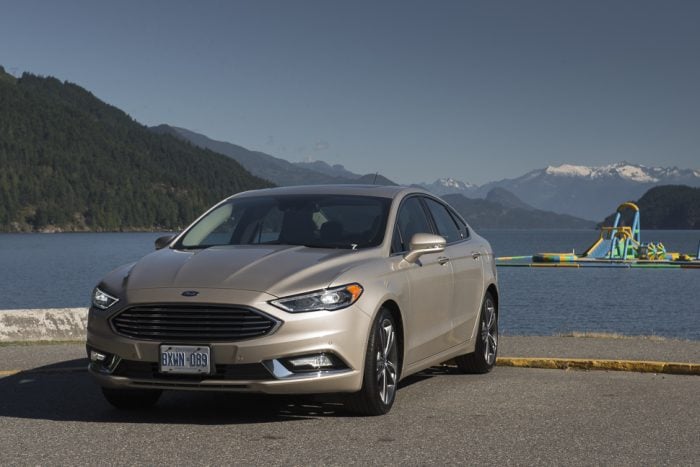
point(70, 323)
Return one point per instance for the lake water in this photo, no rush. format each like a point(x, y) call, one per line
point(60, 270)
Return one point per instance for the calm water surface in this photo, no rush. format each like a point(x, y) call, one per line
point(664, 302)
point(60, 270)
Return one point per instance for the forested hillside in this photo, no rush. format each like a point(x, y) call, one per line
point(279, 171)
point(503, 210)
point(675, 207)
point(69, 161)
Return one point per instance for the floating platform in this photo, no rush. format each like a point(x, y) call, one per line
point(581, 263)
point(619, 246)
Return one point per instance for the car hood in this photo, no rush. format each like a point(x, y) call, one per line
point(278, 270)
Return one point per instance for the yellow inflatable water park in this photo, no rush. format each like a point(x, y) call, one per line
point(619, 246)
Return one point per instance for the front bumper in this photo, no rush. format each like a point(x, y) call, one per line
point(346, 381)
point(342, 333)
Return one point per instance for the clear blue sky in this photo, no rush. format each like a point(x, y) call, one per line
point(415, 90)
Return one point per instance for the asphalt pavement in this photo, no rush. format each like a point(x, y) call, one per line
point(52, 413)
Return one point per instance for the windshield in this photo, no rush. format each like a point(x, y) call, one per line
point(321, 221)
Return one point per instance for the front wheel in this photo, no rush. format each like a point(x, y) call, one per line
point(381, 375)
point(131, 398)
point(483, 358)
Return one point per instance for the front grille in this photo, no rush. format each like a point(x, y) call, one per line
point(235, 372)
point(186, 323)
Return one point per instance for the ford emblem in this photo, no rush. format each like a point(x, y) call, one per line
point(190, 293)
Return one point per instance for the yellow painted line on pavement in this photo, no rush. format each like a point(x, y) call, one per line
point(674, 368)
point(8, 372)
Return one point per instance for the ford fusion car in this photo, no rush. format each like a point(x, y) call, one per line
point(299, 290)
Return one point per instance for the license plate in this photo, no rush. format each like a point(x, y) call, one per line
point(185, 359)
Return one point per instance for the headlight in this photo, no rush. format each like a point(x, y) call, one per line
point(102, 300)
point(327, 299)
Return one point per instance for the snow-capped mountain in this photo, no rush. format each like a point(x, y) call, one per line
point(590, 192)
point(444, 186)
point(625, 170)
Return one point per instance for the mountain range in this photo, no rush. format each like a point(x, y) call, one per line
point(500, 209)
point(582, 191)
point(503, 210)
point(446, 186)
point(579, 192)
point(279, 171)
point(73, 162)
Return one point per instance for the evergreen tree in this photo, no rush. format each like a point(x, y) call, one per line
point(71, 161)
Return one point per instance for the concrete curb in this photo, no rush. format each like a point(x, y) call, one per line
point(53, 324)
point(674, 368)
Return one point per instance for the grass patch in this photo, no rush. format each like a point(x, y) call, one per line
point(604, 335)
point(612, 335)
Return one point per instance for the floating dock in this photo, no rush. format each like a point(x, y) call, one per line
point(619, 246)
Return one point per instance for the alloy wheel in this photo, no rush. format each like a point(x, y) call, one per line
point(489, 332)
point(386, 362)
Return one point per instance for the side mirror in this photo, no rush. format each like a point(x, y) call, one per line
point(422, 243)
point(162, 242)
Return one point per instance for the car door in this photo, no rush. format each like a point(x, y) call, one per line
point(429, 323)
point(465, 257)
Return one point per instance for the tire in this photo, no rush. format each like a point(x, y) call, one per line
point(382, 372)
point(485, 352)
point(131, 398)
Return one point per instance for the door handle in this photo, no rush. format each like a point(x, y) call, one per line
point(476, 255)
point(443, 260)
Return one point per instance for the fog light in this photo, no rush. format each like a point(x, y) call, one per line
point(315, 362)
point(96, 356)
point(305, 365)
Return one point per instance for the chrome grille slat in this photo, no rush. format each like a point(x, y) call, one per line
point(132, 321)
point(192, 323)
point(187, 319)
point(188, 310)
point(199, 328)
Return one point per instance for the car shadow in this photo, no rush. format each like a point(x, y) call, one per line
point(440, 370)
point(65, 391)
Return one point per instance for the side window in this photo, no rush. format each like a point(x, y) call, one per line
point(412, 220)
point(463, 229)
point(444, 222)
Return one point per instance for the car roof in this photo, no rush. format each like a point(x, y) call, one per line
point(382, 191)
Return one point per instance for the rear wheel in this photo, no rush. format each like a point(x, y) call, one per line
point(483, 358)
point(381, 374)
point(131, 398)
